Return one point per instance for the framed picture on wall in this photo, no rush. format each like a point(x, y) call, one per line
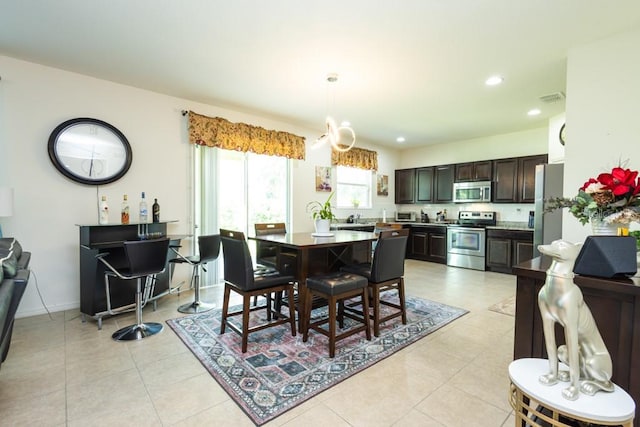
point(383, 185)
point(323, 178)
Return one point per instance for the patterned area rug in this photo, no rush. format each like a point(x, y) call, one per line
point(279, 371)
point(506, 306)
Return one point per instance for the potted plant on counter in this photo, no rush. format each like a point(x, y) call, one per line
point(321, 214)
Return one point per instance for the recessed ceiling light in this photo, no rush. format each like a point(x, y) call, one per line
point(400, 139)
point(533, 112)
point(345, 123)
point(494, 80)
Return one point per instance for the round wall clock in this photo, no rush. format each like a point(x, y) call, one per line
point(562, 135)
point(89, 151)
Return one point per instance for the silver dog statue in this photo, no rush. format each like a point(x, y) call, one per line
point(560, 300)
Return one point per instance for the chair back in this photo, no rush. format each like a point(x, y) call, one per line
point(147, 257)
point(270, 228)
point(388, 258)
point(209, 247)
point(238, 266)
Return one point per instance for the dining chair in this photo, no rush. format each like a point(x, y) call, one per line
point(145, 259)
point(384, 273)
point(267, 254)
point(239, 277)
point(208, 251)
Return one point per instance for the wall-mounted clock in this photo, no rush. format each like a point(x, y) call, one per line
point(89, 151)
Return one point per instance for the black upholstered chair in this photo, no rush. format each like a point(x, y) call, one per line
point(266, 254)
point(239, 277)
point(209, 250)
point(335, 288)
point(385, 272)
point(145, 259)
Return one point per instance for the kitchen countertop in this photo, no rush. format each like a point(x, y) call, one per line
point(506, 225)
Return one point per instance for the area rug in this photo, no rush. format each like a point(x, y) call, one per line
point(279, 371)
point(506, 306)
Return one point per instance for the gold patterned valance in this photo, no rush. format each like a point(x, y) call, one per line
point(221, 133)
point(355, 158)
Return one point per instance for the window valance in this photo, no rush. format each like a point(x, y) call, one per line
point(221, 133)
point(355, 158)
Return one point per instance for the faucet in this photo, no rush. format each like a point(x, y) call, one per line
point(357, 218)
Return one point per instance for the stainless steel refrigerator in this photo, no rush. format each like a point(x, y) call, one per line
point(547, 227)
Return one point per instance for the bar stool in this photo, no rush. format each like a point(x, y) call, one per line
point(335, 288)
point(209, 250)
point(145, 259)
point(603, 409)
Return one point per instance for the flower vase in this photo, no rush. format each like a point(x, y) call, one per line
point(601, 228)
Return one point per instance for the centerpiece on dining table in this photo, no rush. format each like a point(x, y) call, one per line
point(322, 215)
point(609, 202)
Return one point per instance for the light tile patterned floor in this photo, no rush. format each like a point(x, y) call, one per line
point(64, 372)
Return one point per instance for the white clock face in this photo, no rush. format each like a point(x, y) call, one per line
point(89, 151)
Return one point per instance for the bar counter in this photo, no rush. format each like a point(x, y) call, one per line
point(615, 305)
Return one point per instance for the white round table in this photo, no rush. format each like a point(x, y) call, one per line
point(616, 408)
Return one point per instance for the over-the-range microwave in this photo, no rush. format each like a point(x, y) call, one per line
point(470, 192)
point(405, 216)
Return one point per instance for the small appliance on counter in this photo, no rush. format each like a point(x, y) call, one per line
point(424, 217)
point(531, 219)
point(407, 216)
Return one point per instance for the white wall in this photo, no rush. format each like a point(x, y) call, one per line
point(603, 103)
point(34, 99)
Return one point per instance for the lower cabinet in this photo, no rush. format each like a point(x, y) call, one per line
point(428, 243)
point(506, 248)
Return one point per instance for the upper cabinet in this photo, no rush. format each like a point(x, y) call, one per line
point(443, 183)
point(424, 185)
point(474, 171)
point(514, 179)
point(405, 186)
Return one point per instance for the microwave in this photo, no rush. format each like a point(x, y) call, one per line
point(470, 192)
point(405, 216)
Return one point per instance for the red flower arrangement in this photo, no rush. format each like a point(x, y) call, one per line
point(612, 197)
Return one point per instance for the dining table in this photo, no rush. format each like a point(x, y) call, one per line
point(309, 254)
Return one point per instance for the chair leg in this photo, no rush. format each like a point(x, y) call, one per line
point(332, 326)
point(246, 306)
point(365, 308)
point(375, 292)
point(292, 311)
point(306, 316)
point(403, 306)
point(225, 308)
point(139, 330)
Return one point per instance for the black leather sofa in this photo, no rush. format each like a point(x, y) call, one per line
point(14, 276)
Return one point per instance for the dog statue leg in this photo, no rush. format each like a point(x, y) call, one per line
point(550, 343)
point(573, 351)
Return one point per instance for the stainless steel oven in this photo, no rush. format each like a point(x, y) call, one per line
point(466, 241)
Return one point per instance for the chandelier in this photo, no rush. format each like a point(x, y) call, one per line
point(333, 131)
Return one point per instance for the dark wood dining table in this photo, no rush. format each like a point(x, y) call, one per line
point(311, 255)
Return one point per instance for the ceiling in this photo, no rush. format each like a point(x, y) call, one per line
point(412, 68)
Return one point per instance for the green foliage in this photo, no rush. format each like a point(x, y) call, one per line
point(636, 234)
point(582, 206)
point(321, 210)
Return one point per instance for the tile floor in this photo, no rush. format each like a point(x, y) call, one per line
point(62, 372)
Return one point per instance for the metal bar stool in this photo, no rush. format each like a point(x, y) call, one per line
point(209, 250)
point(145, 258)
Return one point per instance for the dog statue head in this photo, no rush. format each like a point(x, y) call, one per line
point(562, 252)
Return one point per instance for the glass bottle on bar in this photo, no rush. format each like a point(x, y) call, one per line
point(124, 212)
point(155, 209)
point(144, 212)
point(103, 214)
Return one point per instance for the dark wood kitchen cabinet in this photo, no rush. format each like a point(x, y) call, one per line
point(474, 171)
point(514, 179)
point(506, 248)
point(443, 183)
point(424, 185)
point(428, 243)
point(405, 186)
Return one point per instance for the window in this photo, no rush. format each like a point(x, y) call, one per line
point(353, 187)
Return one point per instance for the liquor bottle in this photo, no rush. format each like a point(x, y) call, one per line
point(144, 213)
point(103, 211)
point(155, 209)
point(124, 212)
